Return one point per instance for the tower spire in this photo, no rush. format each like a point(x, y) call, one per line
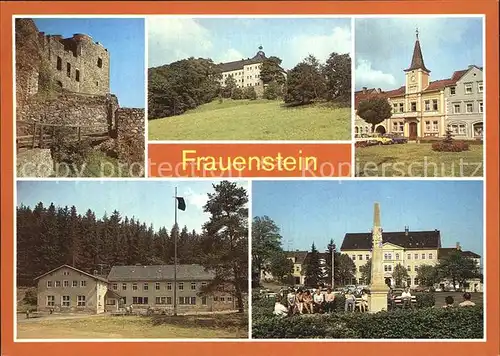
point(376, 215)
point(417, 60)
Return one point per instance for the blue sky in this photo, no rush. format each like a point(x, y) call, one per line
point(316, 211)
point(384, 48)
point(124, 39)
point(230, 39)
point(149, 201)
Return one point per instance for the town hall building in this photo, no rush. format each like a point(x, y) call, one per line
point(424, 108)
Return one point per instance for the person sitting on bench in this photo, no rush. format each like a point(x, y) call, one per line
point(319, 300)
point(350, 301)
point(406, 298)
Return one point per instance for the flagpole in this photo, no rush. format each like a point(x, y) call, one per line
point(175, 254)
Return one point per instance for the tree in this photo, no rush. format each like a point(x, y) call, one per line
point(266, 242)
point(427, 275)
point(305, 82)
point(313, 273)
point(458, 268)
point(237, 94)
point(366, 271)
point(271, 71)
point(226, 239)
point(281, 267)
point(229, 86)
point(374, 111)
point(337, 72)
point(399, 274)
point(345, 268)
point(332, 248)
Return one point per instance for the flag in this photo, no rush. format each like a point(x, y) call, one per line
point(181, 204)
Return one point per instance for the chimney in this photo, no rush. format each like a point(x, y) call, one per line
point(364, 90)
point(407, 229)
point(459, 248)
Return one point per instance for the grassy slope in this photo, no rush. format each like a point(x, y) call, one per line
point(117, 327)
point(254, 120)
point(412, 159)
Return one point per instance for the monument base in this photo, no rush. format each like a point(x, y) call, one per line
point(378, 299)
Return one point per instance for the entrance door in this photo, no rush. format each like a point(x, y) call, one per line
point(413, 131)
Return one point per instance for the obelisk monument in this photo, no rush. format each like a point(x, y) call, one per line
point(378, 288)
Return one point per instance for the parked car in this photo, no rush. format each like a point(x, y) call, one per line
point(396, 138)
point(381, 140)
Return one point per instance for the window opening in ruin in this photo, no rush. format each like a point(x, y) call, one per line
point(77, 75)
point(59, 63)
point(96, 84)
point(99, 62)
point(68, 69)
point(59, 84)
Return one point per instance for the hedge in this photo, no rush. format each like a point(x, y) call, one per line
point(425, 323)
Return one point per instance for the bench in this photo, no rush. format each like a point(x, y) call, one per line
point(398, 301)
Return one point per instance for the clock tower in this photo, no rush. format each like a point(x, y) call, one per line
point(417, 75)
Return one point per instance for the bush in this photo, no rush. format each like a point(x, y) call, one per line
point(250, 93)
point(425, 300)
point(455, 146)
point(272, 91)
point(237, 94)
point(71, 152)
point(426, 323)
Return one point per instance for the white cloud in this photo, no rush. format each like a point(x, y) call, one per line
point(170, 39)
point(321, 46)
point(369, 77)
point(196, 199)
point(230, 55)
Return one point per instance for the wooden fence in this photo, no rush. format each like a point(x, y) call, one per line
point(42, 134)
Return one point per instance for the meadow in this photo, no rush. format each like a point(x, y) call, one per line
point(255, 120)
point(417, 160)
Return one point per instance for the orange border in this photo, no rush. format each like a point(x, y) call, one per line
point(490, 8)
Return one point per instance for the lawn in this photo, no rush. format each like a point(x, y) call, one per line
point(418, 160)
point(106, 327)
point(255, 120)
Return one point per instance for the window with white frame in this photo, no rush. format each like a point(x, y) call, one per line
point(49, 284)
point(458, 129)
point(115, 286)
point(367, 257)
point(65, 273)
point(414, 106)
point(145, 286)
point(58, 283)
point(80, 301)
point(401, 107)
point(169, 286)
point(193, 286)
point(456, 108)
point(203, 284)
point(51, 300)
point(353, 257)
point(169, 300)
point(74, 284)
point(423, 256)
point(427, 105)
point(193, 301)
point(203, 300)
point(360, 257)
point(468, 88)
point(480, 106)
point(395, 107)
point(134, 286)
point(157, 286)
point(416, 256)
point(453, 90)
point(435, 106)
point(431, 256)
point(395, 126)
point(161, 300)
point(469, 107)
point(65, 300)
point(408, 256)
point(65, 284)
point(181, 286)
point(408, 268)
point(479, 87)
point(397, 256)
point(124, 286)
point(435, 126)
point(427, 126)
point(387, 268)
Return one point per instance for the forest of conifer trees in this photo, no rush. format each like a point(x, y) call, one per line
point(49, 236)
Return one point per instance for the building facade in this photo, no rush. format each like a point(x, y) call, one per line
point(67, 289)
point(425, 108)
point(153, 286)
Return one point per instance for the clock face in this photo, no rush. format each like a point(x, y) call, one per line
point(412, 78)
